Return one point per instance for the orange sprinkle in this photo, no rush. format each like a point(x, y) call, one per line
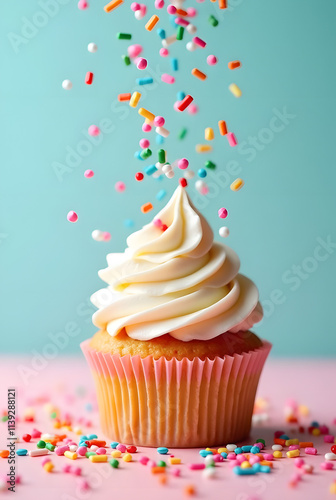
point(147, 207)
point(222, 4)
point(152, 22)
point(158, 470)
point(306, 444)
point(234, 64)
point(4, 453)
point(163, 479)
point(124, 97)
point(190, 490)
point(222, 127)
point(113, 5)
point(181, 12)
point(199, 74)
point(266, 462)
point(280, 441)
point(203, 148)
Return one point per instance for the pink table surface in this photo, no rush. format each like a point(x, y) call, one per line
point(67, 384)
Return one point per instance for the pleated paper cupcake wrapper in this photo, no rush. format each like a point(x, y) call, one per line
point(178, 404)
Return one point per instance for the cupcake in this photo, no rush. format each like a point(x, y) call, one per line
point(174, 361)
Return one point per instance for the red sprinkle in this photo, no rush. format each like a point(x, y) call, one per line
point(185, 103)
point(89, 78)
point(139, 176)
point(183, 182)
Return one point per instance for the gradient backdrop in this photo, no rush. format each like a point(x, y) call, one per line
point(282, 222)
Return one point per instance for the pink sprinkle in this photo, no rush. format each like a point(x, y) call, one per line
point(324, 429)
point(134, 50)
point(106, 236)
point(176, 106)
point(61, 449)
point(201, 43)
point(311, 451)
point(93, 130)
point(267, 456)
point(36, 434)
point(76, 471)
point(157, 223)
point(218, 458)
point(329, 438)
point(88, 173)
point(164, 52)
point(232, 139)
point(144, 460)
point(294, 447)
point(176, 472)
point(181, 22)
point(146, 127)
point(222, 213)
point(259, 445)
point(144, 143)
point(192, 12)
point(212, 60)
point(135, 6)
point(232, 456)
point(83, 485)
point(82, 5)
point(151, 463)
point(254, 459)
point(121, 447)
point(66, 469)
point(167, 78)
point(327, 465)
point(101, 451)
point(142, 63)
point(159, 121)
point(192, 109)
point(159, 4)
point(120, 187)
point(183, 163)
point(171, 9)
point(196, 466)
point(299, 462)
point(81, 451)
point(240, 458)
point(45, 460)
point(72, 216)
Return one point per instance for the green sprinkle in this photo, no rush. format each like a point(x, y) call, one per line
point(162, 156)
point(4, 418)
point(209, 164)
point(53, 414)
point(41, 444)
point(126, 60)
point(124, 36)
point(145, 153)
point(261, 441)
point(114, 463)
point(180, 32)
point(89, 453)
point(161, 463)
point(182, 133)
point(50, 446)
point(213, 21)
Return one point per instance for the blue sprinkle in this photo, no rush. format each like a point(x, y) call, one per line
point(161, 194)
point(315, 424)
point(174, 64)
point(161, 33)
point(265, 468)
point(224, 455)
point(114, 444)
point(255, 449)
point(160, 178)
point(244, 472)
point(202, 173)
point(159, 139)
point(128, 223)
point(150, 169)
point(92, 436)
point(88, 407)
point(144, 81)
point(256, 467)
point(83, 438)
point(162, 450)
point(284, 436)
point(83, 443)
point(246, 449)
point(172, 21)
point(21, 452)
point(180, 95)
point(205, 453)
point(137, 155)
point(238, 451)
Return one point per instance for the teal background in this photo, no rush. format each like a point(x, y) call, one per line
point(49, 266)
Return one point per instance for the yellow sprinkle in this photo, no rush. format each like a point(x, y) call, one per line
point(316, 432)
point(127, 457)
point(70, 454)
point(57, 425)
point(293, 453)
point(235, 90)
point(277, 454)
point(115, 453)
point(146, 114)
point(209, 134)
point(151, 23)
point(237, 184)
point(222, 450)
point(97, 458)
point(304, 410)
point(175, 460)
point(289, 442)
point(203, 148)
point(213, 450)
point(134, 99)
point(245, 465)
point(332, 488)
point(48, 467)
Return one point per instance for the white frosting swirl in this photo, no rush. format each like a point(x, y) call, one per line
point(177, 281)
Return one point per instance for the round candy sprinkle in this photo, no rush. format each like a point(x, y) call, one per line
point(212, 60)
point(82, 5)
point(67, 84)
point(171, 9)
point(164, 52)
point(202, 173)
point(139, 176)
point(106, 236)
point(92, 47)
point(120, 186)
point(223, 213)
point(183, 163)
point(72, 216)
point(135, 6)
point(114, 463)
point(88, 173)
point(97, 236)
point(93, 130)
point(142, 63)
point(162, 450)
point(146, 127)
point(144, 143)
point(134, 50)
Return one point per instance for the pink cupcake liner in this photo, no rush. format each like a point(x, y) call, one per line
point(178, 404)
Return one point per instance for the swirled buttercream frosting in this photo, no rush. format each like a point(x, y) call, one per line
point(174, 279)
